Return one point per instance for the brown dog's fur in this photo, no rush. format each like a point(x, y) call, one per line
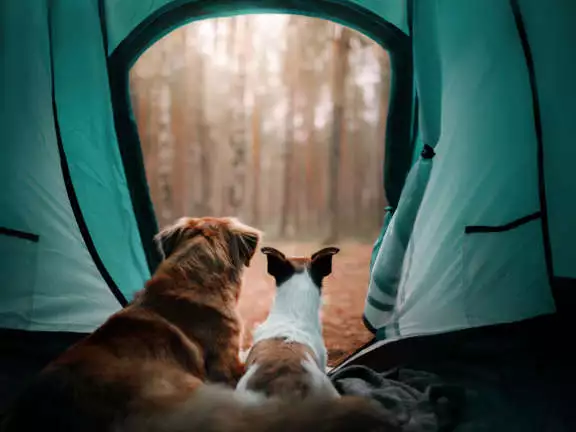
point(180, 331)
point(165, 363)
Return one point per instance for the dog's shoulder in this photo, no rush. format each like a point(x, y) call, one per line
point(137, 334)
point(197, 315)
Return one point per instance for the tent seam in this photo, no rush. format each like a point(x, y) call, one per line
point(481, 229)
point(72, 197)
point(523, 36)
point(23, 235)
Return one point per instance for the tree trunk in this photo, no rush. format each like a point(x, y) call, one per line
point(238, 139)
point(384, 98)
point(311, 165)
point(179, 122)
point(288, 159)
point(200, 152)
point(356, 154)
point(290, 71)
point(341, 44)
point(165, 141)
point(256, 163)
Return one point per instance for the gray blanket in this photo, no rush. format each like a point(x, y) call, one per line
point(419, 401)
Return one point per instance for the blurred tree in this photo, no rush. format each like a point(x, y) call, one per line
point(277, 119)
point(179, 123)
point(290, 78)
point(239, 135)
point(341, 47)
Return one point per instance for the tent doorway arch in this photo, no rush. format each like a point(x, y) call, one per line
point(399, 139)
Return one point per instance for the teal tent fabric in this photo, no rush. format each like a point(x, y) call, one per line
point(124, 16)
point(476, 109)
point(550, 33)
point(386, 271)
point(90, 143)
point(480, 234)
point(51, 283)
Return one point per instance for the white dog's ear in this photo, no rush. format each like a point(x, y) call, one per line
point(167, 240)
point(321, 263)
point(278, 266)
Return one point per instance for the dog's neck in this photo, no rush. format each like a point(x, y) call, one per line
point(298, 298)
point(204, 267)
point(295, 314)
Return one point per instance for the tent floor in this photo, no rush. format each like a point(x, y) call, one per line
point(518, 377)
point(23, 354)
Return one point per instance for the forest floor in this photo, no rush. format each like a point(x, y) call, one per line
point(343, 296)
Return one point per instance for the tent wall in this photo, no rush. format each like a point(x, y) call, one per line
point(482, 234)
point(51, 283)
point(62, 180)
point(551, 34)
point(393, 11)
point(477, 253)
point(123, 17)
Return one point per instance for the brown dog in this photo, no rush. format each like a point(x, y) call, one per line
point(156, 365)
point(181, 330)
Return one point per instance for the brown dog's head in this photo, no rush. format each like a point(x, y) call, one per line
point(209, 240)
point(319, 264)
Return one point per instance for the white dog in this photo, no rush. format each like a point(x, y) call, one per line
point(288, 356)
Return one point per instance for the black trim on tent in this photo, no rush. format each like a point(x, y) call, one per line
point(103, 24)
point(82, 226)
point(368, 326)
point(377, 304)
point(523, 35)
point(410, 16)
point(131, 154)
point(19, 234)
point(398, 132)
point(475, 229)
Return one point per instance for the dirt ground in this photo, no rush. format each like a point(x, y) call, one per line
point(343, 294)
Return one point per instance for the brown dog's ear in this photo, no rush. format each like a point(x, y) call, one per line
point(321, 263)
point(247, 244)
point(245, 240)
point(278, 266)
point(168, 239)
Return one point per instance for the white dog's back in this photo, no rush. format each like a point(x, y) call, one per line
point(288, 356)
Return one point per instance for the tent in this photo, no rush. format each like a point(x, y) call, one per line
point(479, 234)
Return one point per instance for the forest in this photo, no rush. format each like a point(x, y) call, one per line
point(279, 120)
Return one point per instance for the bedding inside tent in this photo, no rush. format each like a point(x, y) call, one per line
point(472, 277)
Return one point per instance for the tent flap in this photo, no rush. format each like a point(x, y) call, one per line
point(386, 271)
point(476, 110)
